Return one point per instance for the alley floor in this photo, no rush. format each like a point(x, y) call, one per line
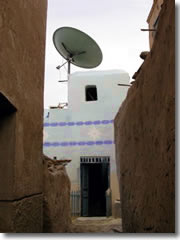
point(96, 225)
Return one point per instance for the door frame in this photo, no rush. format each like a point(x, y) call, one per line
point(85, 192)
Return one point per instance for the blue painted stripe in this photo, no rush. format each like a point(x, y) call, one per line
point(88, 123)
point(108, 142)
point(105, 122)
point(81, 143)
point(62, 124)
point(99, 142)
point(64, 144)
point(97, 122)
point(90, 143)
point(72, 143)
point(70, 123)
point(79, 123)
point(54, 124)
point(55, 144)
point(47, 144)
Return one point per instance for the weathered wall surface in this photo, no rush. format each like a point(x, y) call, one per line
point(153, 19)
point(145, 138)
point(22, 48)
point(56, 207)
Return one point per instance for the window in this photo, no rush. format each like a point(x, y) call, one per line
point(91, 93)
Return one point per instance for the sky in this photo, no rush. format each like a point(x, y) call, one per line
point(116, 27)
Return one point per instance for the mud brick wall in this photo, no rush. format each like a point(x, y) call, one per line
point(22, 56)
point(145, 137)
point(56, 200)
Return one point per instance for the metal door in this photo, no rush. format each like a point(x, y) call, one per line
point(84, 189)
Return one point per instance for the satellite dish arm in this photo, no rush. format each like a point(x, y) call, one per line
point(70, 54)
point(70, 57)
point(58, 67)
point(79, 53)
point(69, 68)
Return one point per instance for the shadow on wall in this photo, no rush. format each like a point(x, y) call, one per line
point(7, 146)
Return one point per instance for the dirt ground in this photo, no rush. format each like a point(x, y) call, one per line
point(96, 225)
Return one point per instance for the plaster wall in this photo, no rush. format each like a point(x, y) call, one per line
point(22, 48)
point(145, 137)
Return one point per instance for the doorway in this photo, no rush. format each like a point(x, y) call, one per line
point(94, 183)
point(7, 147)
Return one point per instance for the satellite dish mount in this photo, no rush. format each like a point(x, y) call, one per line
point(69, 58)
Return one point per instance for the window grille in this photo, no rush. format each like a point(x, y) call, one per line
point(94, 159)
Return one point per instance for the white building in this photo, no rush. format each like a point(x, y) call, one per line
point(84, 132)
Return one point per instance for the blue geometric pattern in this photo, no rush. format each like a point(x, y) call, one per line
point(79, 123)
point(81, 143)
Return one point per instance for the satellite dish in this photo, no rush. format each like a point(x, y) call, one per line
point(77, 48)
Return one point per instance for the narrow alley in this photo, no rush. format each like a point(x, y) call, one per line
point(101, 159)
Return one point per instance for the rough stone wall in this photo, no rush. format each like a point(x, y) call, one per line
point(145, 137)
point(22, 53)
point(56, 208)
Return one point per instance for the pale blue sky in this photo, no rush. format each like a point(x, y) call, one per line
point(115, 25)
